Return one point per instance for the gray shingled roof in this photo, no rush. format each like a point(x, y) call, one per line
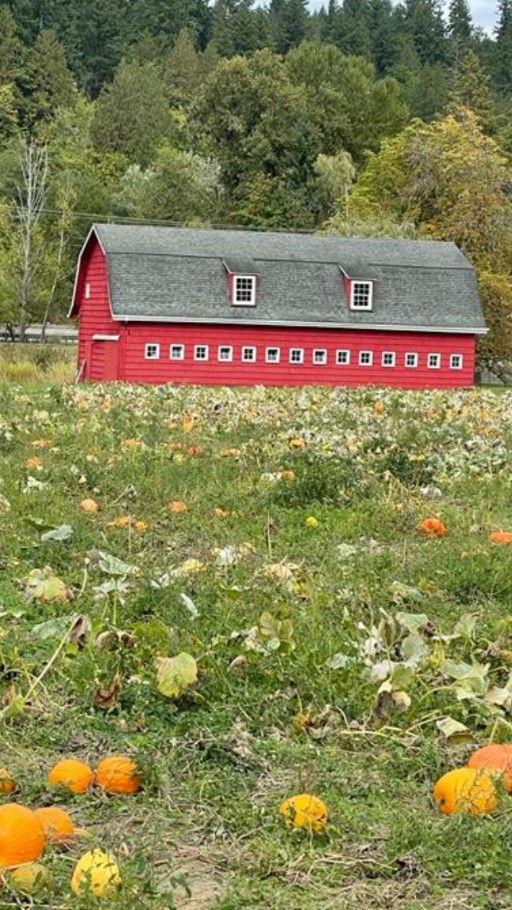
point(179, 274)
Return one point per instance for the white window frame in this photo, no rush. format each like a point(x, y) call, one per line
point(460, 359)
point(202, 347)
point(300, 352)
point(370, 360)
point(236, 279)
point(411, 366)
point(345, 360)
point(393, 359)
point(252, 358)
point(229, 351)
point(434, 366)
point(156, 355)
point(180, 356)
point(87, 292)
point(358, 307)
point(323, 361)
point(277, 359)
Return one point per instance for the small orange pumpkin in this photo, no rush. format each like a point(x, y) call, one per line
point(304, 811)
point(465, 790)
point(21, 836)
point(118, 774)
point(501, 536)
point(7, 784)
point(177, 506)
point(431, 527)
point(72, 774)
point(497, 758)
point(57, 824)
point(90, 506)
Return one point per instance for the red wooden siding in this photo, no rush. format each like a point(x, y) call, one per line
point(213, 372)
point(106, 359)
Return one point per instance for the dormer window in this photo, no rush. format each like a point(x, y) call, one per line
point(361, 294)
point(244, 290)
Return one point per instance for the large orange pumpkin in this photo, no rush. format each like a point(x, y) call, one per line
point(465, 790)
point(501, 536)
point(21, 836)
point(304, 811)
point(118, 774)
point(72, 774)
point(57, 824)
point(497, 758)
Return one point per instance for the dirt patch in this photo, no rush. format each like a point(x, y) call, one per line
point(206, 885)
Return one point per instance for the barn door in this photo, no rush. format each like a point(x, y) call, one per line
point(104, 360)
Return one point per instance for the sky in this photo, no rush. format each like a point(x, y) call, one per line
point(484, 13)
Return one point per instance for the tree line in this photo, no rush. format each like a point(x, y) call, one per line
point(361, 118)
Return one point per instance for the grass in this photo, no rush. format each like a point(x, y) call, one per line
point(291, 624)
point(37, 363)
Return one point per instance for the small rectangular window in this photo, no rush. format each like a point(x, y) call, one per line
point(319, 355)
point(411, 360)
point(248, 355)
point(224, 352)
point(456, 361)
point(244, 290)
point(361, 295)
point(152, 351)
point(177, 351)
point(87, 291)
point(201, 352)
point(296, 355)
point(343, 358)
point(272, 355)
point(388, 358)
point(434, 361)
point(365, 358)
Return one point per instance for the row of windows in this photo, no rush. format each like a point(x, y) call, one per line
point(296, 355)
point(244, 292)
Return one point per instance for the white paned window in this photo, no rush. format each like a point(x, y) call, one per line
point(434, 361)
point(152, 351)
point(244, 290)
point(272, 355)
point(343, 358)
point(87, 291)
point(296, 355)
point(248, 355)
point(319, 355)
point(365, 358)
point(456, 361)
point(177, 351)
point(361, 295)
point(388, 358)
point(201, 352)
point(224, 352)
point(411, 360)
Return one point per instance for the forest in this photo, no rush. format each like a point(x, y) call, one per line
point(361, 118)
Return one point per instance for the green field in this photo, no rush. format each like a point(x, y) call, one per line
point(332, 641)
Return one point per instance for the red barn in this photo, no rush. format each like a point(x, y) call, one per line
point(215, 307)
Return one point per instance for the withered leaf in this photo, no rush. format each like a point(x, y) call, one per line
point(106, 697)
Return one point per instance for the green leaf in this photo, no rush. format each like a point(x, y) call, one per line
point(337, 661)
point(176, 674)
point(466, 625)
point(63, 532)
point(414, 650)
point(111, 565)
point(53, 628)
point(44, 586)
point(453, 731)
point(412, 621)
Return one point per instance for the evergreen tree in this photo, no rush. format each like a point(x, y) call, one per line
point(460, 29)
point(11, 49)
point(471, 89)
point(50, 81)
point(353, 29)
point(382, 35)
point(182, 70)
point(503, 53)
point(424, 22)
point(132, 114)
point(288, 22)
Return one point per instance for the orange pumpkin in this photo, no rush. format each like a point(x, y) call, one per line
point(57, 824)
point(465, 790)
point(7, 784)
point(21, 836)
point(496, 758)
point(177, 506)
point(72, 774)
point(501, 536)
point(304, 811)
point(118, 774)
point(431, 527)
point(89, 506)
